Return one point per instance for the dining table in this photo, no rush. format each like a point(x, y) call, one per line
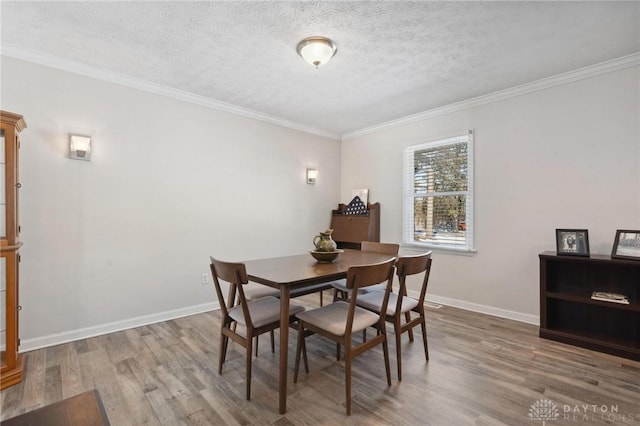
point(288, 273)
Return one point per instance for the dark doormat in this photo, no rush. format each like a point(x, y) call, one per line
point(85, 409)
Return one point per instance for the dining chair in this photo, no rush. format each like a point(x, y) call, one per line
point(315, 288)
point(253, 291)
point(399, 305)
point(257, 316)
point(340, 290)
point(339, 320)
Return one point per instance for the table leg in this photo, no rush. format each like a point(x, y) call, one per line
point(284, 345)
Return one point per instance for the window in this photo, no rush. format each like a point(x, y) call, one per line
point(438, 193)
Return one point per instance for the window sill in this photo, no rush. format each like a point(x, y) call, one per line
point(436, 248)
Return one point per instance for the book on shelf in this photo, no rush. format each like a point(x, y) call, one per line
point(610, 297)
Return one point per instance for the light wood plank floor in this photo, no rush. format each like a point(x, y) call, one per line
point(483, 371)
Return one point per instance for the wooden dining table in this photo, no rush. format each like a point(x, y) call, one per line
point(299, 271)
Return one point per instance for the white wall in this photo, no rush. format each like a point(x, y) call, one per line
point(563, 157)
point(127, 236)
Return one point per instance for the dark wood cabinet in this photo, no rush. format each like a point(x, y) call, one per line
point(349, 230)
point(568, 314)
point(11, 362)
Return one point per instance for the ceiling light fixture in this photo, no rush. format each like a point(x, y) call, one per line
point(317, 50)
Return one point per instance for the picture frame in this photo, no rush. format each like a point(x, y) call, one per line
point(626, 245)
point(362, 193)
point(572, 242)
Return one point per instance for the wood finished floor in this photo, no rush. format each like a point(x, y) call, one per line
point(483, 370)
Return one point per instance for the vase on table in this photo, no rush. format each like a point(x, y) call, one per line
point(323, 241)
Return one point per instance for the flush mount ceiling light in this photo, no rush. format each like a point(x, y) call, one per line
point(317, 50)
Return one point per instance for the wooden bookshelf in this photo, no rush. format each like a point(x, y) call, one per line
point(568, 314)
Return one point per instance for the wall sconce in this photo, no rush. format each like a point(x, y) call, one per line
point(312, 175)
point(80, 147)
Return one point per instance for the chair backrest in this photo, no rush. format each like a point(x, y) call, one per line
point(413, 265)
point(383, 248)
point(367, 275)
point(236, 275)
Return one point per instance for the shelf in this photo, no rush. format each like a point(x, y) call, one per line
point(618, 347)
point(593, 259)
point(568, 314)
point(635, 307)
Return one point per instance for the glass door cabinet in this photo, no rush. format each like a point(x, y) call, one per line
point(11, 362)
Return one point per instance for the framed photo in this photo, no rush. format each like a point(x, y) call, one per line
point(362, 193)
point(572, 242)
point(626, 245)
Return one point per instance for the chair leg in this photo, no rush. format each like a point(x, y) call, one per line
point(364, 335)
point(398, 333)
point(335, 294)
point(424, 338)
point(337, 351)
point(321, 304)
point(226, 347)
point(407, 316)
point(273, 345)
point(249, 343)
point(347, 373)
point(223, 351)
point(298, 350)
point(257, 345)
point(304, 356)
point(385, 350)
point(339, 295)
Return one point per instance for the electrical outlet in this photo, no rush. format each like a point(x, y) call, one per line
point(205, 279)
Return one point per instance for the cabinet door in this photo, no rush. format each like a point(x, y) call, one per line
point(3, 312)
point(8, 326)
point(3, 260)
point(3, 191)
point(351, 229)
point(9, 143)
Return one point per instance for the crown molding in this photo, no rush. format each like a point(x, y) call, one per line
point(545, 83)
point(17, 52)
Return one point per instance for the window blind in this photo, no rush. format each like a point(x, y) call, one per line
point(438, 193)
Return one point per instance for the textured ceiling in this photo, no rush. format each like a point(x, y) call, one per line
point(394, 58)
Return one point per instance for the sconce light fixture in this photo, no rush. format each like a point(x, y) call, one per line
point(80, 147)
point(312, 175)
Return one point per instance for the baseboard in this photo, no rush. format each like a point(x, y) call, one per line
point(27, 345)
point(483, 309)
point(98, 330)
